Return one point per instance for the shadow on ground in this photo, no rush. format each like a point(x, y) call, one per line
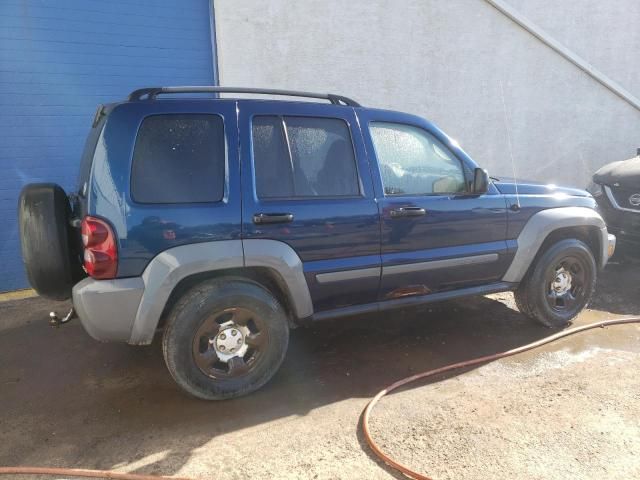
point(70, 401)
point(618, 290)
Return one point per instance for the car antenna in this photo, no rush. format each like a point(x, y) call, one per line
point(513, 163)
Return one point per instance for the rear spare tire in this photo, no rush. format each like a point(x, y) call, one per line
point(43, 216)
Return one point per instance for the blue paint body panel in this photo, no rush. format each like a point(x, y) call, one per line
point(58, 61)
point(144, 230)
point(328, 234)
point(454, 225)
point(533, 197)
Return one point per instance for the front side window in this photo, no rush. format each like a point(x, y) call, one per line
point(179, 159)
point(303, 157)
point(413, 162)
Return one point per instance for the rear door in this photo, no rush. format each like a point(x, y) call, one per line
point(306, 182)
point(436, 235)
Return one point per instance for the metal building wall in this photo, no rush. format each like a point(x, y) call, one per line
point(463, 64)
point(58, 60)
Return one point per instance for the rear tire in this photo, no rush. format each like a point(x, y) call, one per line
point(225, 338)
point(43, 216)
point(559, 285)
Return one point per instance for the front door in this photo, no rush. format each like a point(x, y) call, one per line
point(306, 182)
point(436, 235)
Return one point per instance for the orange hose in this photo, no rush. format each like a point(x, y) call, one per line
point(366, 415)
point(77, 472)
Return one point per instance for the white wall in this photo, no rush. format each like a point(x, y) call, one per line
point(460, 63)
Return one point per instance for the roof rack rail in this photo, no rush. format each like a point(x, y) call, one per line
point(152, 92)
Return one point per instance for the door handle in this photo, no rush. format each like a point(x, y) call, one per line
point(408, 212)
point(262, 218)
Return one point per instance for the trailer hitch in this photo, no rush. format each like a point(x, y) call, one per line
point(56, 321)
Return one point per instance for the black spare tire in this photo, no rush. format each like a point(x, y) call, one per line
point(43, 215)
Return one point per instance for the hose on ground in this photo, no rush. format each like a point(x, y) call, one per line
point(366, 414)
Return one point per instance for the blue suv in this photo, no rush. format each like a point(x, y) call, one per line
point(225, 222)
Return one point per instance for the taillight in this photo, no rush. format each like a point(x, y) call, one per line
point(100, 252)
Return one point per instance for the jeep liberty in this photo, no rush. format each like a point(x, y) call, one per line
point(224, 222)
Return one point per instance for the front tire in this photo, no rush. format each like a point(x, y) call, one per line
point(225, 338)
point(560, 284)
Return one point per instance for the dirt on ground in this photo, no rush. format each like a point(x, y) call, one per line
point(567, 410)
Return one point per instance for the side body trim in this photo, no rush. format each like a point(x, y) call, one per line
point(343, 275)
point(281, 258)
point(167, 269)
point(541, 225)
point(436, 264)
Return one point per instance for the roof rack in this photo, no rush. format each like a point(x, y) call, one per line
point(153, 92)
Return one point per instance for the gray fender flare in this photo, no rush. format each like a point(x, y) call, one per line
point(168, 268)
point(541, 224)
point(280, 257)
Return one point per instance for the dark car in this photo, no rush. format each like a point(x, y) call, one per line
point(225, 222)
point(616, 188)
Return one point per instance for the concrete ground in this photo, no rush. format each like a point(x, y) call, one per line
point(568, 410)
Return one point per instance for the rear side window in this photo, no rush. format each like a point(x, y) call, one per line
point(179, 159)
point(303, 157)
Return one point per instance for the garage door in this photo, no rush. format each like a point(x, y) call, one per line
point(58, 60)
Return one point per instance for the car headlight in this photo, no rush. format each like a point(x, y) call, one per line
point(595, 189)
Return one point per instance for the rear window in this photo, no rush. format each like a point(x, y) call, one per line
point(303, 157)
point(90, 147)
point(179, 159)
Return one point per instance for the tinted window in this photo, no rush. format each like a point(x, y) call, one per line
point(312, 157)
point(179, 159)
point(274, 173)
point(413, 162)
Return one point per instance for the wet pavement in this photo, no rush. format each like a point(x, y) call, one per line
point(568, 410)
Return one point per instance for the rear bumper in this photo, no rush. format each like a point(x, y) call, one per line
point(107, 308)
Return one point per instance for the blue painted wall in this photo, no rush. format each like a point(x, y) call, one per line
point(58, 60)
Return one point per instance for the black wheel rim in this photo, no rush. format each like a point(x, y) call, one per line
point(230, 343)
point(565, 285)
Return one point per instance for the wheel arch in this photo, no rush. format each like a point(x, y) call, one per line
point(273, 264)
point(267, 278)
point(549, 226)
point(589, 234)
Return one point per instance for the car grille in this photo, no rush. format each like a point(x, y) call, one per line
point(625, 198)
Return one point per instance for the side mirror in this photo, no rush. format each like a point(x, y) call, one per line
point(480, 181)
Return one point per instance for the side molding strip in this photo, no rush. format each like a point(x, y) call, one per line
point(348, 275)
point(436, 264)
point(542, 224)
